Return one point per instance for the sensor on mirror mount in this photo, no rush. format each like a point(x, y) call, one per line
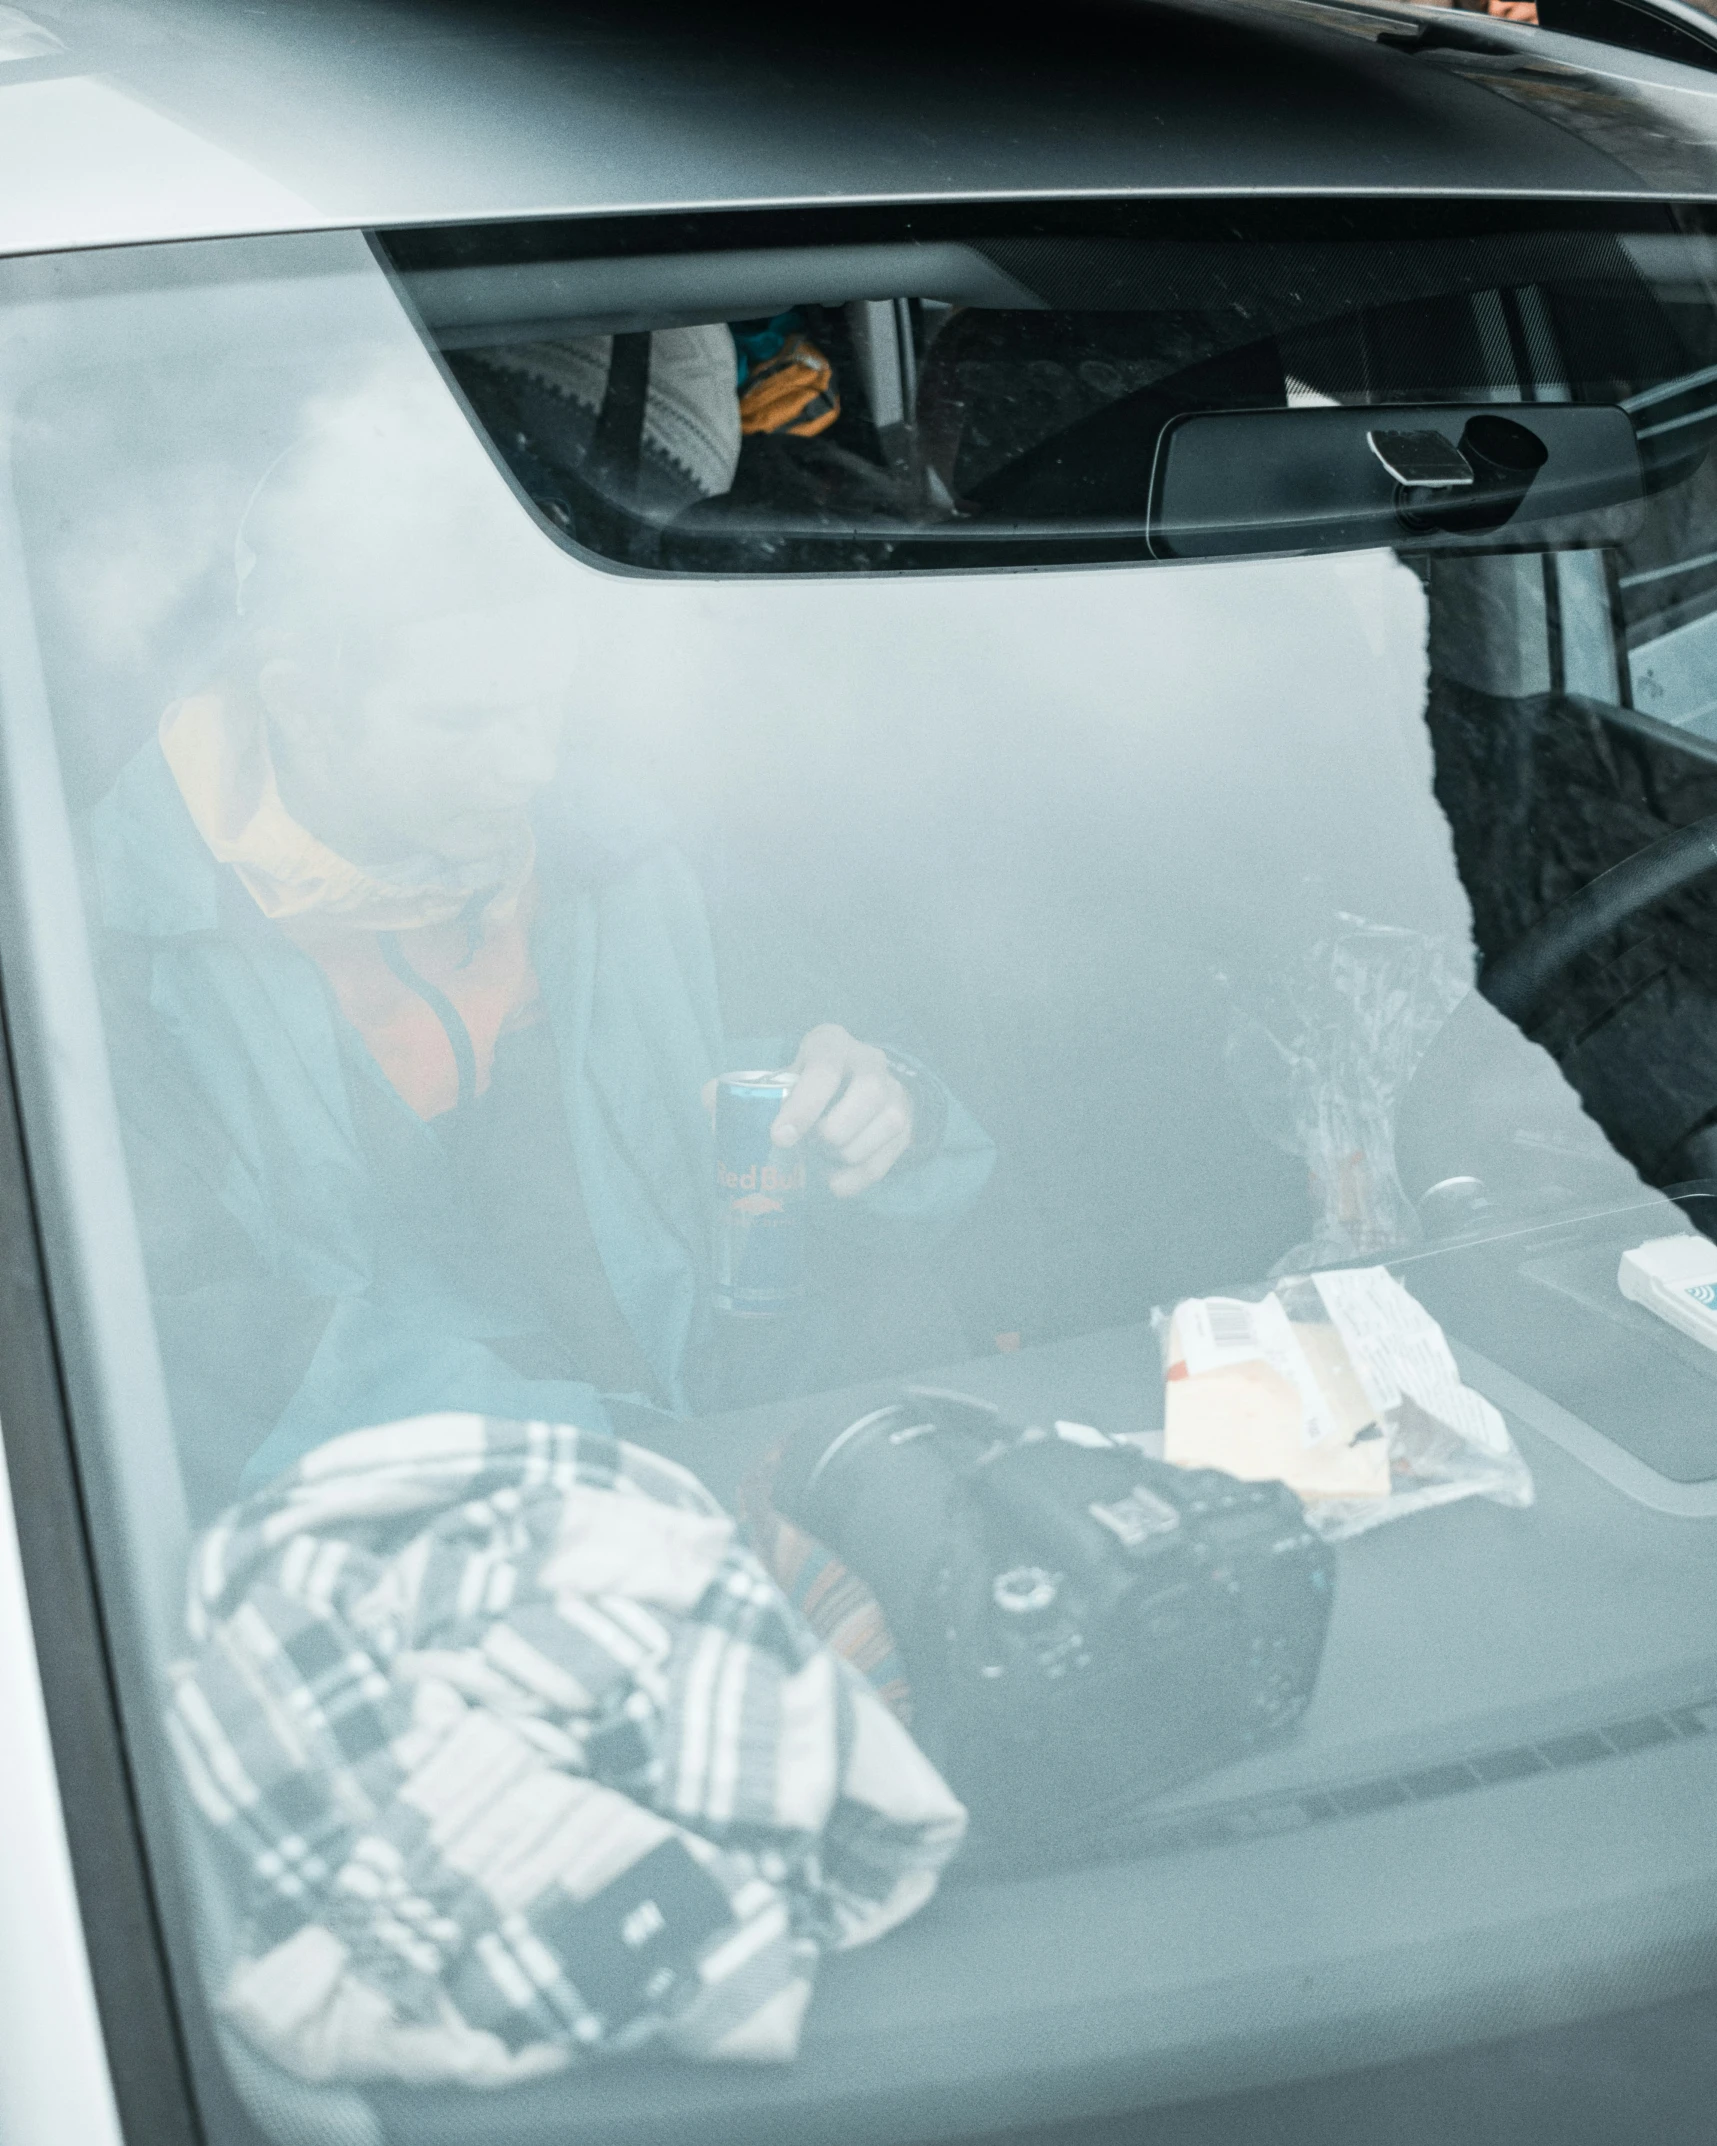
point(1477, 484)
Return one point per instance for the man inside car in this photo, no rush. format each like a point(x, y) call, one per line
point(421, 1009)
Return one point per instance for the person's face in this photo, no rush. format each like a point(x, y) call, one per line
point(457, 726)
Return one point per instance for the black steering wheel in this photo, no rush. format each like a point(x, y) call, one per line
point(1520, 982)
point(1481, 1082)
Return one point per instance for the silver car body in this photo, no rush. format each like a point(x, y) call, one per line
point(132, 124)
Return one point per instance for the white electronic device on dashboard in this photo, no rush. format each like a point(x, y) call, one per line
point(1676, 1277)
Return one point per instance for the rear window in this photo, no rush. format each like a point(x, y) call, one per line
point(899, 1141)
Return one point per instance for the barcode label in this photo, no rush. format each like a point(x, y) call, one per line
point(1231, 1324)
point(1215, 1332)
point(1218, 1333)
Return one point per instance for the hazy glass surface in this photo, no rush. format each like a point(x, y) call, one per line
point(1140, 894)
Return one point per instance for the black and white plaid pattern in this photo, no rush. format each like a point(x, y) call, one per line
point(518, 1755)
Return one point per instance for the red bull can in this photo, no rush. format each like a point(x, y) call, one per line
point(760, 1200)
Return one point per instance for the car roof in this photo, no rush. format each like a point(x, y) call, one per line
point(136, 120)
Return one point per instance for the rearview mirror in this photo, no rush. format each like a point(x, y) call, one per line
point(1243, 483)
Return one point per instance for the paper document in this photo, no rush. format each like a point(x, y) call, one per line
point(1340, 1385)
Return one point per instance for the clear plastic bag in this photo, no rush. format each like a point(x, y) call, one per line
point(1321, 1066)
point(1341, 1386)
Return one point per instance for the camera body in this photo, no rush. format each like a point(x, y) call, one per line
point(1084, 1626)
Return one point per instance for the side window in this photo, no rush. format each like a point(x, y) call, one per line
point(1666, 579)
point(1667, 587)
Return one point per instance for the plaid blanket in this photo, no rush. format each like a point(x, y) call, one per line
point(518, 1756)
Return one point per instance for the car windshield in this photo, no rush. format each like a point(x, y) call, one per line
point(884, 1062)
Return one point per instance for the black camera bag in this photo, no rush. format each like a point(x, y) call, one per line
point(1084, 1626)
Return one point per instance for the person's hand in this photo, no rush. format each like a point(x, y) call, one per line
point(846, 1095)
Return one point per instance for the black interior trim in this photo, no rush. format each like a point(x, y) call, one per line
point(411, 249)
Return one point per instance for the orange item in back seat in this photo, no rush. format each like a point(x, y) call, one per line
point(793, 392)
